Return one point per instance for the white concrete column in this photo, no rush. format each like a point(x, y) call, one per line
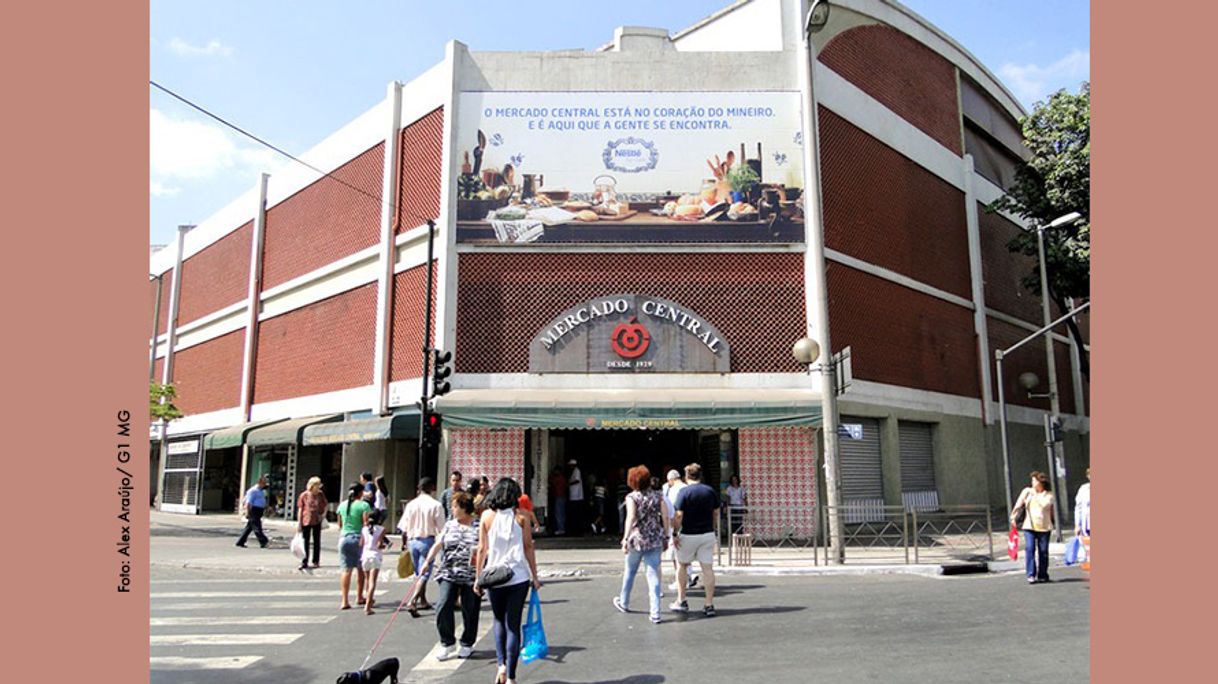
point(388, 250)
point(175, 296)
point(1076, 370)
point(976, 277)
point(446, 222)
point(253, 301)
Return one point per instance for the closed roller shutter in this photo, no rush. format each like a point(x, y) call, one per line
point(862, 473)
point(183, 471)
point(918, 491)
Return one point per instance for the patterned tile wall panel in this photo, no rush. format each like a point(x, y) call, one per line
point(420, 172)
point(323, 347)
point(755, 299)
point(778, 466)
point(903, 75)
point(493, 452)
point(218, 276)
point(887, 210)
point(334, 217)
point(207, 376)
point(901, 336)
point(409, 301)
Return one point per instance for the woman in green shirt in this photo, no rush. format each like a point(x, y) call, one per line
point(352, 516)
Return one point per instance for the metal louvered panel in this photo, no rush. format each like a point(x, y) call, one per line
point(181, 491)
point(917, 457)
point(862, 471)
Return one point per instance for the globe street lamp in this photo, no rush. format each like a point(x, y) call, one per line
point(806, 351)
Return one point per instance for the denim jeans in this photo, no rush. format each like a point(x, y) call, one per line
point(507, 610)
point(651, 559)
point(419, 548)
point(446, 610)
point(1036, 554)
point(560, 515)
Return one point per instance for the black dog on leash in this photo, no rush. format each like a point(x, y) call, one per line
point(387, 668)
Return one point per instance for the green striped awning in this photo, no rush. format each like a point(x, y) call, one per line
point(286, 432)
point(234, 436)
point(677, 409)
point(403, 425)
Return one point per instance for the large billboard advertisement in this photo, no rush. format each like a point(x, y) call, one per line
point(580, 167)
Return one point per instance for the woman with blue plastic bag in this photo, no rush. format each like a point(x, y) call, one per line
point(507, 566)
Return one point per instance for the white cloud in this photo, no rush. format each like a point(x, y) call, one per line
point(214, 48)
point(159, 189)
point(191, 150)
point(1032, 82)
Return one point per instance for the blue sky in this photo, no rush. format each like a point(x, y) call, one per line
point(293, 72)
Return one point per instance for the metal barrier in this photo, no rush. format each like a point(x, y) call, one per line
point(885, 535)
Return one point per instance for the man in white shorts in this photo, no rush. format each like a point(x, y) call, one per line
point(697, 525)
point(672, 487)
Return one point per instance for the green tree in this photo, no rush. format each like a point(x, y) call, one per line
point(1055, 181)
point(162, 410)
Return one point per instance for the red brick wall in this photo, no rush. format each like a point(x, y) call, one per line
point(902, 337)
point(422, 156)
point(207, 376)
point(1003, 269)
point(503, 300)
point(903, 75)
point(218, 276)
point(323, 347)
point(409, 302)
point(887, 210)
point(325, 221)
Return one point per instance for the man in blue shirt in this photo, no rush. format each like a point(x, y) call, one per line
point(697, 525)
point(253, 505)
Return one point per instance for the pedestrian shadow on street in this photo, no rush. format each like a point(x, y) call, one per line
point(631, 679)
point(753, 610)
point(255, 674)
point(558, 654)
point(730, 589)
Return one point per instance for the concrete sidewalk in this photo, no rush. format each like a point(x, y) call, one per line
point(206, 542)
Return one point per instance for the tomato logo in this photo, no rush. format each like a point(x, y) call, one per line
point(630, 340)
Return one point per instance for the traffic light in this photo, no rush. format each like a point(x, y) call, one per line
point(433, 431)
point(1055, 430)
point(439, 371)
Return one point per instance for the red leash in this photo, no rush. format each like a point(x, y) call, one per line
point(409, 593)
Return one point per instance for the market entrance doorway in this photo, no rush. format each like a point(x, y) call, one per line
point(605, 456)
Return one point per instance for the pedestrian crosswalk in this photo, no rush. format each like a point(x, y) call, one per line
point(219, 626)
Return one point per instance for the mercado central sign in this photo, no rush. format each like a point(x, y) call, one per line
point(629, 333)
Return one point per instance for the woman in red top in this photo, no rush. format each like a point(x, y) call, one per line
point(310, 512)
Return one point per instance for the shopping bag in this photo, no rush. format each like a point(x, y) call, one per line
point(1013, 543)
point(535, 646)
point(405, 564)
point(298, 548)
point(1072, 551)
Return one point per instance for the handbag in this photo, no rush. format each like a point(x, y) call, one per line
point(535, 646)
point(405, 564)
point(1072, 551)
point(298, 548)
point(1013, 543)
point(1021, 513)
point(494, 576)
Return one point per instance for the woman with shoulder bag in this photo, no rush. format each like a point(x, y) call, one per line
point(1033, 513)
point(506, 566)
point(455, 547)
point(644, 538)
point(311, 512)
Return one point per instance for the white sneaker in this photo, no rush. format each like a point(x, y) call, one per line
point(465, 652)
point(679, 606)
point(673, 586)
point(448, 653)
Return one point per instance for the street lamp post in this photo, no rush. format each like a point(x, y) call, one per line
point(1050, 357)
point(807, 351)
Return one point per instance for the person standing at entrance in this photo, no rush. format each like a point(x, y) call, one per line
point(253, 506)
point(558, 489)
point(737, 500)
point(505, 540)
point(422, 520)
point(454, 486)
point(697, 527)
point(310, 512)
point(620, 491)
point(643, 539)
point(575, 510)
point(352, 518)
point(1037, 502)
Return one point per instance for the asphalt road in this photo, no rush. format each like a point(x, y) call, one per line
point(888, 628)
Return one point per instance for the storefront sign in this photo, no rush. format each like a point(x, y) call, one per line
point(629, 333)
